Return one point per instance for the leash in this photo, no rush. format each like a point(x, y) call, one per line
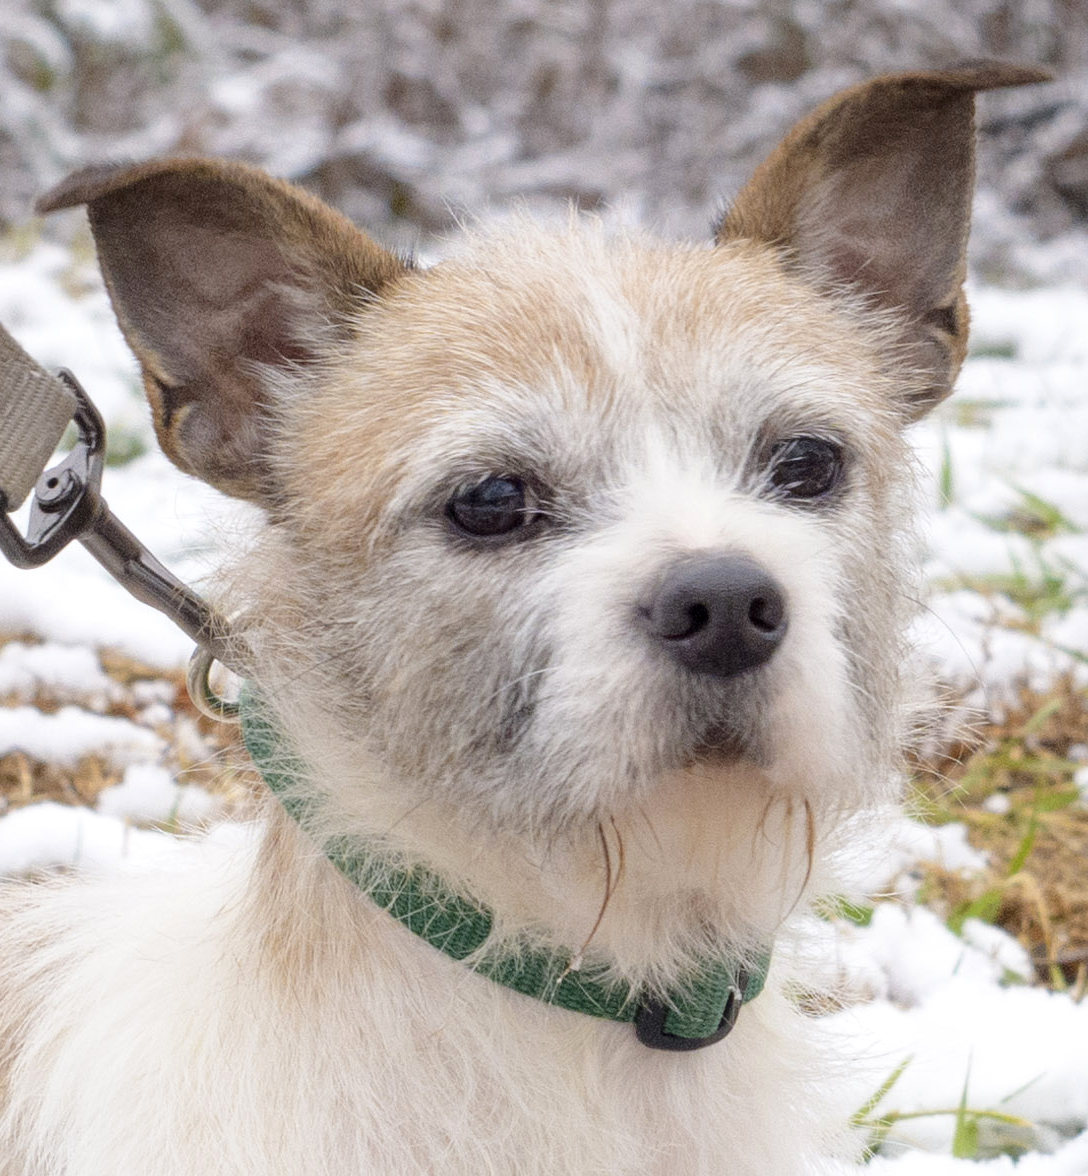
point(36, 408)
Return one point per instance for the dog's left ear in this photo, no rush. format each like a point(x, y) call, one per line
point(872, 192)
point(222, 277)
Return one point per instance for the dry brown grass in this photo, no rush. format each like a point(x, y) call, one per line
point(1035, 835)
point(202, 751)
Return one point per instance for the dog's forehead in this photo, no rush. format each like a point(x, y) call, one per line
point(537, 345)
point(608, 324)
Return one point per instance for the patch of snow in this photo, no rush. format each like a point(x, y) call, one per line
point(38, 308)
point(1062, 489)
point(997, 803)
point(964, 636)
point(910, 842)
point(41, 602)
point(69, 670)
point(960, 548)
point(1045, 326)
point(155, 715)
point(1080, 782)
point(127, 22)
point(149, 795)
point(1022, 1051)
point(1069, 1160)
point(919, 955)
point(47, 835)
point(71, 733)
point(1069, 631)
point(1007, 954)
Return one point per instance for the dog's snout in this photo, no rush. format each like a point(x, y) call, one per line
point(718, 615)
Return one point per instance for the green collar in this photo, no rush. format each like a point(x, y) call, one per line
point(697, 1012)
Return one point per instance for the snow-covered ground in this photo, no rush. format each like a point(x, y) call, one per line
point(1006, 470)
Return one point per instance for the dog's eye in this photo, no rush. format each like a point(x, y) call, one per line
point(806, 467)
point(495, 506)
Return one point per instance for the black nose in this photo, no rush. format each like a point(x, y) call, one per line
point(718, 614)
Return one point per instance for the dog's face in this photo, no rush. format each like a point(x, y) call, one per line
point(595, 513)
point(567, 519)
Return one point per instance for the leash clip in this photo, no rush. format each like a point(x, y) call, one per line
point(66, 497)
point(68, 504)
point(203, 694)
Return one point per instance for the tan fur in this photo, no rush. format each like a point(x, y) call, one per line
point(505, 709)
point(472, 329)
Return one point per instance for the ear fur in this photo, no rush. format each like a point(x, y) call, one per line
point(872, 193)
point(215, 269)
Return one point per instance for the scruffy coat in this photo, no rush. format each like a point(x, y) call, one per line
point(497, 706)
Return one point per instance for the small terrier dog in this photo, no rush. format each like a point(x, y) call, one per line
point(576, 641)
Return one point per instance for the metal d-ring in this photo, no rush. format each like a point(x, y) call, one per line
point(204, 697)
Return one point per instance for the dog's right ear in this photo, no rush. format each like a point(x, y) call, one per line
point(217, 272)
point(871, 193)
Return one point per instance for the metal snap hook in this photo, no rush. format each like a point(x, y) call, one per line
point(205, 698)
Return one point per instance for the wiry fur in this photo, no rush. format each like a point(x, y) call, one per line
point(494, 710)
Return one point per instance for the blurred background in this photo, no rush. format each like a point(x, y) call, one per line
point(408, 113)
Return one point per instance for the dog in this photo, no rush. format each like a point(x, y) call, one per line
point(575, 647)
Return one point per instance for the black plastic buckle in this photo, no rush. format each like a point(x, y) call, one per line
point(650, 1022)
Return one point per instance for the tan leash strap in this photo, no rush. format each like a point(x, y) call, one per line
point(35, 408)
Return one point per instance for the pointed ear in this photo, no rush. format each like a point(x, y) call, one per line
point(873, 192)
point(218, 272)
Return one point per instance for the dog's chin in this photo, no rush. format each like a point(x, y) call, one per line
point(722, 748)
point(725, 743)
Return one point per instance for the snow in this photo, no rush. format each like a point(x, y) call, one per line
point(1015, 1049)
point(26, 670)
point(1070, 1160)
point(124, 21)
point(149, 794)
point(918, 955)
point(1013, 441)
point(72, 733)
point(1080, 782)
point(956, 1014)
point(48, 834)
point(946, 845)
point(956, 1008)
point(37, 306)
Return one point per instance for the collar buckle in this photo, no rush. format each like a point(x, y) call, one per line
point(652, 1014)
